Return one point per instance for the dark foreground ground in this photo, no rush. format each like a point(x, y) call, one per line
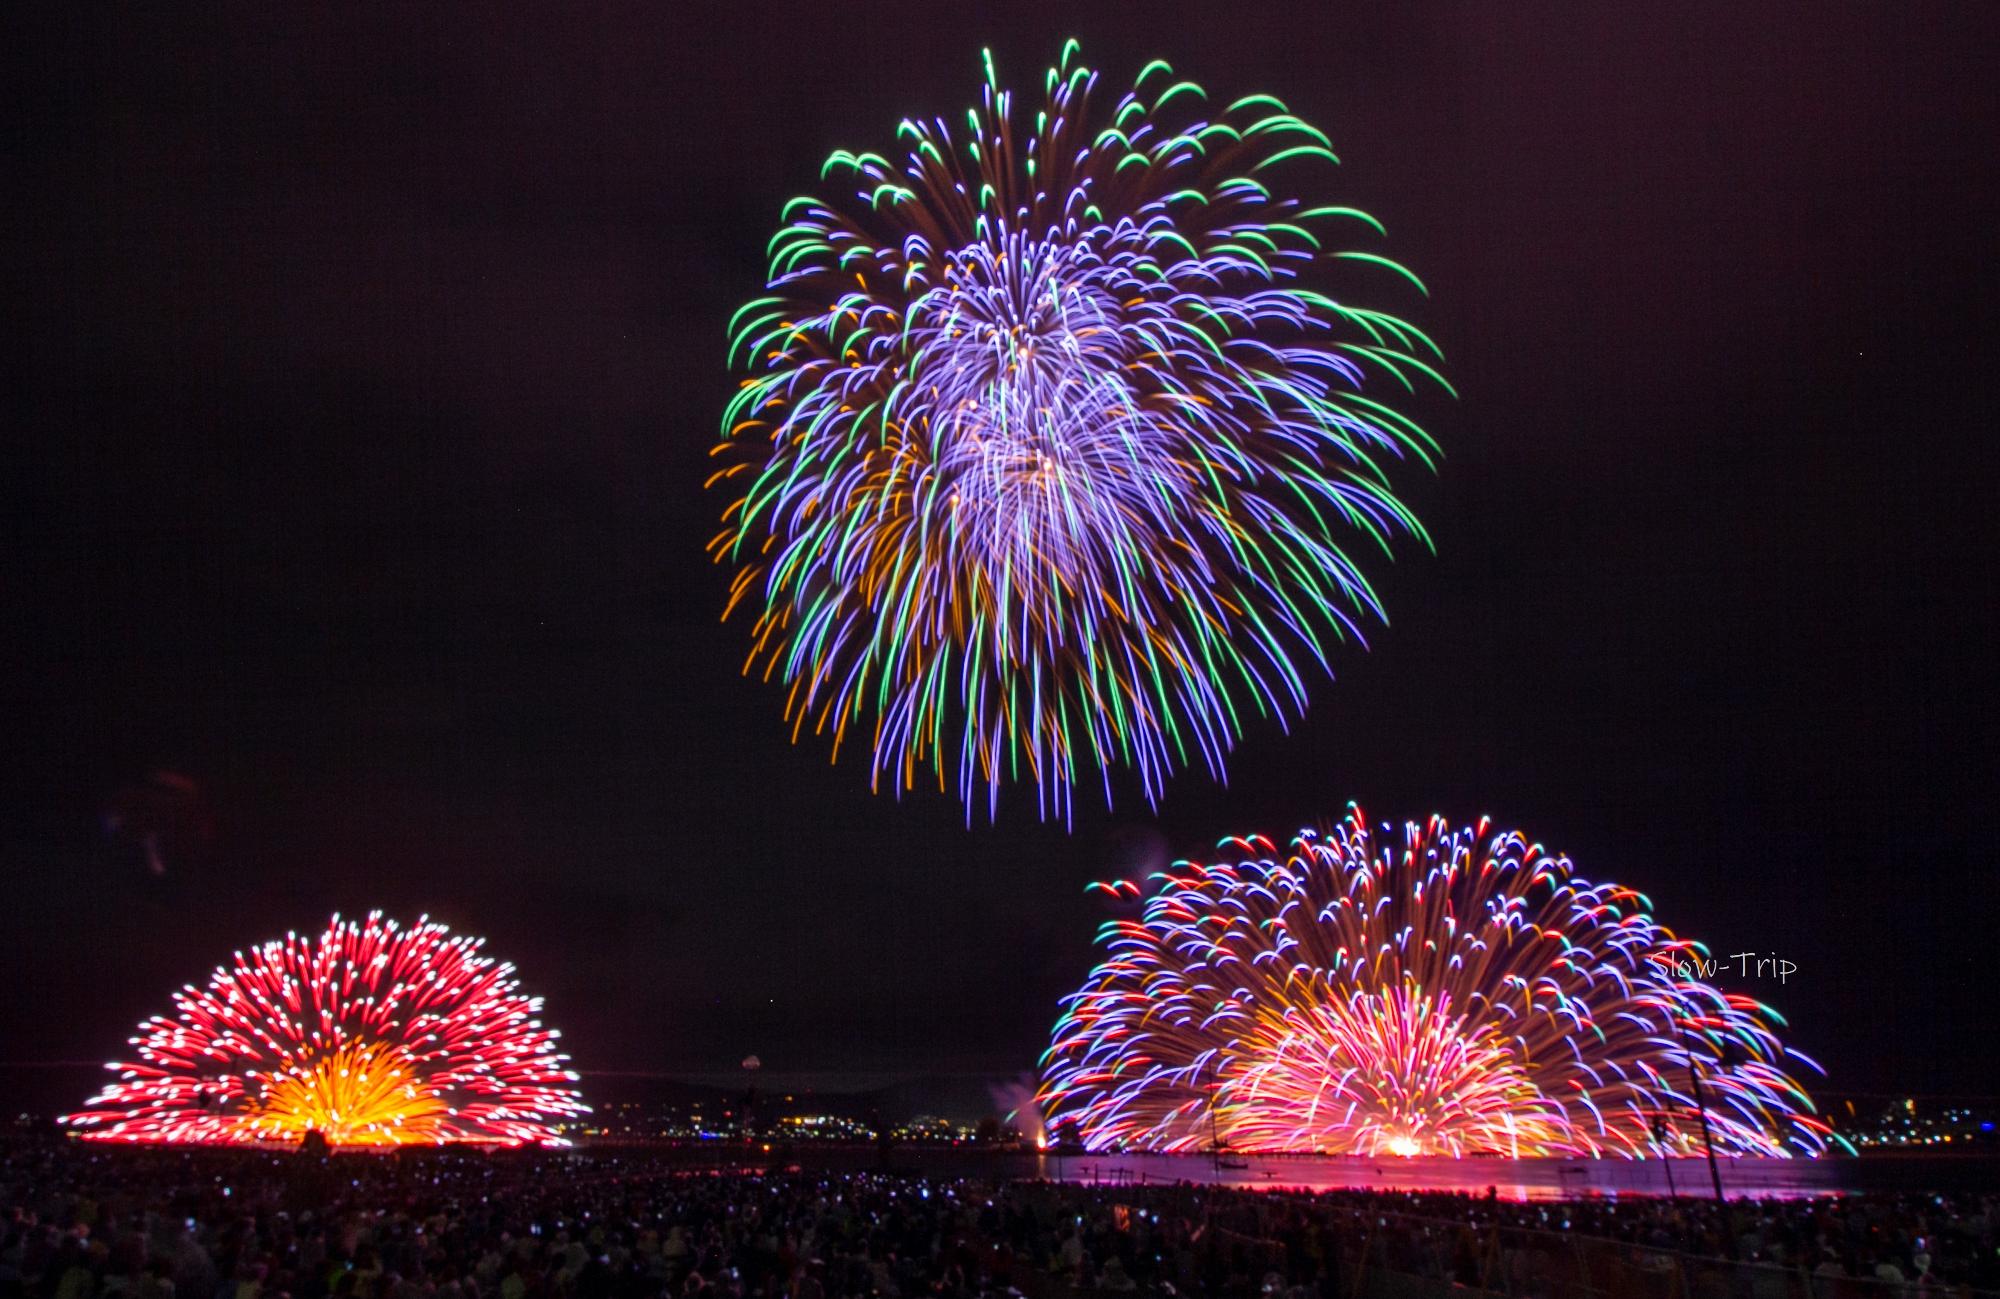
point(93, 1222)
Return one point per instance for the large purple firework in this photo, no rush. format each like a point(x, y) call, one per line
point(1056, 440)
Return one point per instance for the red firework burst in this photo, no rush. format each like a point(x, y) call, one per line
point(371, 1034)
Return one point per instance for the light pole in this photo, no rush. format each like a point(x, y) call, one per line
point(1214, 1140)
point(1701, 1108)
point(1660, 1132)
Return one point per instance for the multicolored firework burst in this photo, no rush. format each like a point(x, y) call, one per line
point(1052, 455)
point(370, 1035)
point(1468, 994)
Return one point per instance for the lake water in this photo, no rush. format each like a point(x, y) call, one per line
point(1536, 1179)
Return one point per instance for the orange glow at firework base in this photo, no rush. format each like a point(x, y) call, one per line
point(363, 1094)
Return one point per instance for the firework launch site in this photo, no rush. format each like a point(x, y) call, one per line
point(1521, 1088)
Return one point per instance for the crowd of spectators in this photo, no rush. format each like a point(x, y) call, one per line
point(84, 1221)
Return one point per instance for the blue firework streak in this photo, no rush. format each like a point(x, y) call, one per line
point(1051, 459)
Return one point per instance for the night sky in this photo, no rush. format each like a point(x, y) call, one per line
point(364, 366)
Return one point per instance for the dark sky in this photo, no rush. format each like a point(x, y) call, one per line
point(365, 364)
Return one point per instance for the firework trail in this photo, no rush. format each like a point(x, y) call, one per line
point(1055, 449)
point(1462, 993)
point(370, 1035)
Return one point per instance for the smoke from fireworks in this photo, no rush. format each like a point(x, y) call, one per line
point(1462, 993)
point(370, 1035)
point(1053, 456)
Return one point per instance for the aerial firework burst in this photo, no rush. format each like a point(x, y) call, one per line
point(1463, 992)
point(372, 1034)
point(1052, 456)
